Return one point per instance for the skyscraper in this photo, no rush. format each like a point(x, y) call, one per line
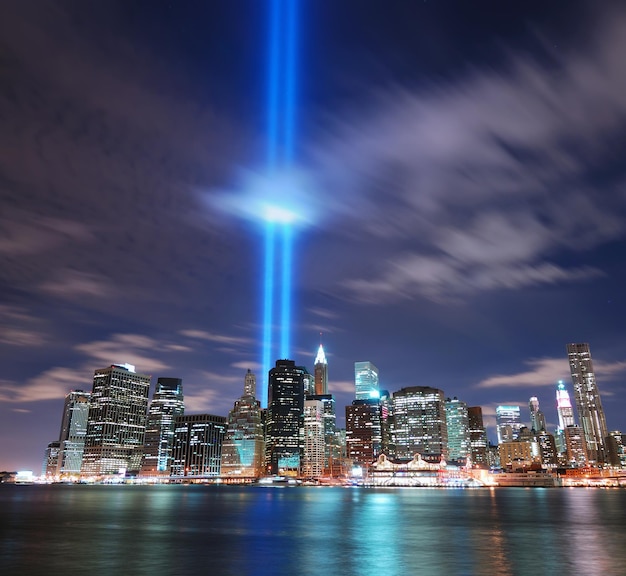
point(365, 380)
point(564, 406)
point(116, 424)
point(284, 418)
point(363, 431)
point(537, 419)
point(478, 436)
point(313, 448)
point(197, 448)
point(419, 422)
point(588, 403)
point(457, 422)
point(244, 444)
point(320, 370)
point(508, 423)
point(167, 403)
point(73, 431)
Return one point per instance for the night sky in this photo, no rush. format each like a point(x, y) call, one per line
point(460, 166)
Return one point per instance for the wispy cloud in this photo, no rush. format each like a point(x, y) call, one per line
point(212, 337)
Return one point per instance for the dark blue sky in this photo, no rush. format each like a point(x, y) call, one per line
point(461, 164)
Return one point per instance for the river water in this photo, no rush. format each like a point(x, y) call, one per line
point(306, 531)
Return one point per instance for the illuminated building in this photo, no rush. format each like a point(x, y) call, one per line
point(73, 431)
point(197, 448)
point(564, 406)
point(518, 452)
point(616, 443)
point(547, 448)
point(575, 446)
point(365, 380)
point(284, 418)
point(363, 431)
point(508, 423)
point(51, 459)
point(478, 437)
point(244, 444)
point(116, 424)
point(588, 403)
point(537, 418)
point(313, 449)
point(167, 403)
point(419, 423)
point(332, 454)
point(308, 383)
point(320, 370)
point(457, 423)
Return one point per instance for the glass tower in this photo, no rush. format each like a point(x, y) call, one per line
point(363, 431)
point(73, 431)
point(508, 423)
point(313, 449)
point(116, 425)
point(365, 380)
point(198, 442)
point(588, 403)
point(478, 436)
point(537, 418)
point(457, 422)
point(167, 403)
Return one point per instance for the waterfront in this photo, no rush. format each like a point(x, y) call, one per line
point(242, 531)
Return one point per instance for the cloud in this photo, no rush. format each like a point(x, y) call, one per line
point(245, 365)
point(51, 384)
point(484, 183)
point(72, 284)
point(19, 328)
point(547, 372)
point(341, 386)
point(212, 337)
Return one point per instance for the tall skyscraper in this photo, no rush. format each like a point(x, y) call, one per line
point(575, 446)
point(73, 431)
point(588, 403)
point(363, 431)
point(320, 370)
point(244, 444)
point(365, 380)
point(537, 418)
point(564, 406)
point(457, 422)
point(331, 451)
point(198, 442)
point(284, 418)
point(508, 423)
point(116, 424)
point(167, 403)
point(313, 448)
point(478, 437)
point(419, 422)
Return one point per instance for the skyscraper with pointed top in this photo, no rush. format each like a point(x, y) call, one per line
point(320, 371)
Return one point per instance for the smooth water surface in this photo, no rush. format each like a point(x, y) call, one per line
point(228, 530)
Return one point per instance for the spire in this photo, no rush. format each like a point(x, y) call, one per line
point(249, 384)
point(321, 357)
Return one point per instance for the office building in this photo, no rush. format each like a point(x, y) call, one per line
point(547, 448)
point(564, 406)
point(508, 423)
point(197, 448)
point(537, 418)
point(320, 370)
point(363, 431)
point(116, 423)
point(478, 437)
point(457, 422)
point(51, 459)
point(419, 423)
point(576, 453)
point(167, 403)
point(588, 403)
point(332, 454)
point(284, 424)
point(73, 432)
point(244, 445)
point(365, 381)
point(313, 445)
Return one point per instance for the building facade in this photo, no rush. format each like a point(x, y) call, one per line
point(478, 437)
point(320, 371)
point(508, 423)
point(313, 445)
point(197, 449)
point(116, 423)
point(363, 431)
point(365, 380)
point(73, 432)
point(588, 402)
point(537, 418)
point(457, 422)
point(167, 404)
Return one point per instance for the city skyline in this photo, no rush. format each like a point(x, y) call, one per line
point(458, 168)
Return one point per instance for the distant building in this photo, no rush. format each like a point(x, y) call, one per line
point(457, 422)
point(365, 380)
point(51, 459)
point(332, 454)
point(320, 370)
point(198, 442)
point(588, 403)
point(537, 418)
point(167, 403)
point(508, 423)
point(285, 418)
point(419, 422)
point(516, 452)
point(244, 444)
point(478, 437)
point(73, 432)
point(564, 406)
point(363, 431)
point(116, 424)
point(575, 446)
point(547, 448)
point(313, 448)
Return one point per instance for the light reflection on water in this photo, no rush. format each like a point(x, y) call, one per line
point(244, 531)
